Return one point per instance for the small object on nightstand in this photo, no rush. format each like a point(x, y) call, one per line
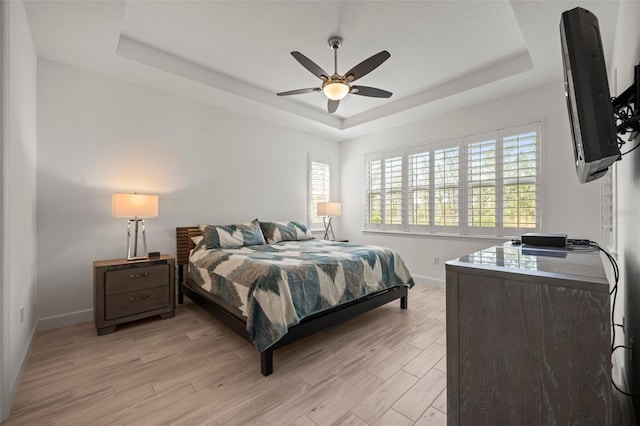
point(341, 240)
point(154, 255)
point(125, 290)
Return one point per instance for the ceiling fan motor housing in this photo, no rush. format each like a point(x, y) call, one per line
point(335, 42)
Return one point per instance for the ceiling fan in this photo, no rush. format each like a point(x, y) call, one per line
point(337, 86)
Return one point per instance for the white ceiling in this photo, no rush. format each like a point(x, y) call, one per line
point(236, 54)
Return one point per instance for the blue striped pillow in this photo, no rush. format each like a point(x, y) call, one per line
point(233, 236)
point(275, 232)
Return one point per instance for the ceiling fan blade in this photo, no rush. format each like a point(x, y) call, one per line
point(332, 106)
point(370, 91)
point(310, 65)
point(299, 91)
point(366, 66)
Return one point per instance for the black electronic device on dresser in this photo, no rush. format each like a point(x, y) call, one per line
point(125, 291)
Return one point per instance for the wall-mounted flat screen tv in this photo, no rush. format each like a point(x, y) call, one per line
point(593, 129)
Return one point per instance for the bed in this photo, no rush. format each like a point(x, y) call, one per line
point(275, 293)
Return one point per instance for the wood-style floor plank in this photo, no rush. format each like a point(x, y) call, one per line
point(432, 417)
point(417, 399)
point(385, 367)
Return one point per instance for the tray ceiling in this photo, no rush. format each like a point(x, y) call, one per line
point(236, 54)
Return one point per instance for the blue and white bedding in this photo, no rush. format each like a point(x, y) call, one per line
point(277, 285)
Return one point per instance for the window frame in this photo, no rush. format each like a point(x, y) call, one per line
point(411, 188)
point(475, 139)
point(519, 131)
point(311, 203)
point(444, 146)
point(383, 157)
point(499, 183)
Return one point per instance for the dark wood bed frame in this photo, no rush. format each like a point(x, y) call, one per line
point(306, 327)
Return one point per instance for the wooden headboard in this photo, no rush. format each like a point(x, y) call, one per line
point(184, 244)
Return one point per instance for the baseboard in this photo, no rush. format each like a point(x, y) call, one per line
point(422, 280)
point(71, 318)
point(17, 379)
point(625, 414)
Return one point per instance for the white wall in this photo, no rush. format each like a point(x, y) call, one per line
point(98, 136)
point(567, 206)
point(626, 55)
point(19, 195)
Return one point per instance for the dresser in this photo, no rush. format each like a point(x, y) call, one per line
point(125, 291)
point(528, 338)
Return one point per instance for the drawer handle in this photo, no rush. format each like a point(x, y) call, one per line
point(138, 298)
point(146, 274)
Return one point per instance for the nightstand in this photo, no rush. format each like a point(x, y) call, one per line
point(341, 240)
point(125, 291)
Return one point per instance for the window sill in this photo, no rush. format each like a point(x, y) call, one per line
point(439, 235)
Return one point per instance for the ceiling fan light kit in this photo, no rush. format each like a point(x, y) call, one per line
point(335, 90)
point(336, 86)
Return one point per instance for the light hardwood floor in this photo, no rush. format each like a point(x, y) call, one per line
point(386, 367)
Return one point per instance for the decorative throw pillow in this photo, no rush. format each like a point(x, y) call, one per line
point(199, 242)
point(233, 236)
point(275, 232)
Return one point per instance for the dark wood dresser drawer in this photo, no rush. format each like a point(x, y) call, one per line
point(136, 302)
point(133, 279)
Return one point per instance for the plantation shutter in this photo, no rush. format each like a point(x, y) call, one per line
point(482, 191)
point(319, 188)
point(373, 192)
point(446, 187)
point(393, 191)
point(419, 195)
point(484, 184)
point(520, 204)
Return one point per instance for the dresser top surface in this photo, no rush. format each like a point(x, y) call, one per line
point(578, 264)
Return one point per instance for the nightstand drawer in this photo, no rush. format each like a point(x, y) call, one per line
point(139, 278)
point(122, 305)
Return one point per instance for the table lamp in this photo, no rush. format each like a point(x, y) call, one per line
point(135, 207)
point(327, 210)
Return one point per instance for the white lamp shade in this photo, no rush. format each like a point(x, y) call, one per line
point(335, 91)
point(329, 209)
point(134, 205)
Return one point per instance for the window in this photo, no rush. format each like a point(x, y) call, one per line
point(384, 188)
point(319, 188)
point(483, 184)
point(393, 199)
point(608, 202)
point(419, 188)
point(481, 175)
point(519, 198)
point(446, 187)
point(374, 191)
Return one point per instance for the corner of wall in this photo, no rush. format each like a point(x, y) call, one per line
point(4, 281)
point(626, 54)
point(19, 373)
point(18, 195)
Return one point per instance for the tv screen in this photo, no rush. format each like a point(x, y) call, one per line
point(595, 142)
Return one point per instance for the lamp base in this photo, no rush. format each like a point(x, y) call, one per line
point(139, 223)
point(328, 228)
